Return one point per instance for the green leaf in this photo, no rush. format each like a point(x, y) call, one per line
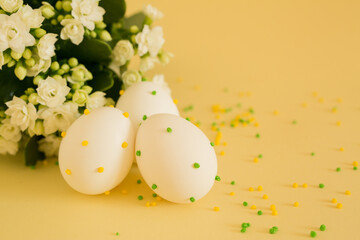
point(115, 10)
point(137, 19)
point(90, 50)
point(32, 154)
point(102, 81)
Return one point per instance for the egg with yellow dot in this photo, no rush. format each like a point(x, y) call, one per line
point(146, 98)
point(92, 157)
point(175, 158)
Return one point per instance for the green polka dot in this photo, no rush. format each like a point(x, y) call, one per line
point(260, 213)
point(312, 154)
point(212, 144)
point(257, 135)
point(217, 178)
point(169, 130)
point(338, 169)
point(232, 183)
point(243, 230)
point(196, 165)
point(312, 234)
point(154, 186)
point(138, 181)
point(245, 204)
point(140, 197)
point(192, 199)
point(322, 227)
point(138, 153)
point(154, 195)
point(153, 92)
point(187, 119)
point(321, 185)
point(144, 117)
point(355, 168)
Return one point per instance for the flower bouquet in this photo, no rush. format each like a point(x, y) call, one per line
point(59, 58)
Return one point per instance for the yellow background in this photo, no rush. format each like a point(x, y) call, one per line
point(269, 55)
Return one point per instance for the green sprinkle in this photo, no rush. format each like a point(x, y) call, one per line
point(243, 230)
point(117, 233)
point(228, 110)
point(312, 234)
point(257, 135)
point(232, 183)
point(153, 92)
point(321, 185)
point(57, 163)
point(187, 119)
point(245, 204)
point(154, 186)
point(169, 130)
point(196, 165)
point(238, 105)
point(192, 199)
point(213, 124)
point(33, 167)
point(260, 156)
point(294, 122)
point(212, 144)
point(245, 225)
point(248, 224)
point(144, 117)
point(217, 178)
point(312, 154)
point(322, 227)
point(138, 181)
point(138, 153)
point(260, 213)
point(355, 168)
point(188, 108)
point(275, 228)
point(154, 195)
point(272, 231)
point(140, 197)
point(251, 110)
point(338, 169)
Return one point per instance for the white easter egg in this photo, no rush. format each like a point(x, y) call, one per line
point(97, 151)
point(144, 99)
point(175, 158)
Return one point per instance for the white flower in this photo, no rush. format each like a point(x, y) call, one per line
point(87, 12)
point(30, 17)
point(46, 46)
point(152, 12)
point(150, 40)
point(96, 100)
point(73, 30)
point(2, 60)
point(22, 114)
point(9, 147)
point(123, 51)
point(41, 65)
point(52, 93)
point(130, 77)
point(159, 79)
point(11, 5)
point(147, 63)
point(14, 34)
point(80, 97)
point(79, 74)
point(59, 118)
point(10, 131)
point(50, 145)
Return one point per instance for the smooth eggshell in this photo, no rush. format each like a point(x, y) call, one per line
point(138, 101)
point(105, 129)
point(167, 158)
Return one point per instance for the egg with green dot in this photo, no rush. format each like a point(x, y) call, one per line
point(98, 150)
point(176, 161)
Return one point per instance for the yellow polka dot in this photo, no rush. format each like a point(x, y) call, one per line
point(256, 160)
point(121, 92)
point(126, 114)
point(112, 106)
point(341, 149)
point(63, 134)
point(295, 185)
point(251, 189)
point(274, 213)
point(355, 163)
point(272, 207)
point(68, 171)
point(84, 143)
point(153, 204)
point(339, 205)
point(260, 188)
point(265, 197)
point(232, 193)
point(124, 191)
point(214, 128)
point(321, 100)
point(339, 100)
point(305, 185)
point(338, 123)
point(347, 192)
point(86, 111)
point(276, 112)
point(304, 105)
point(314, 94)
point(256, 124)
point(253, 207)
point(296, 204)
point(222, 153)
point(334, 200)
point(147, 204)
point(217, 116)
point(158, 198)
point(100, 169)
point(107, 193)
point(216, 209)
point(175, 101)
point(225, 143)
point(124, 144)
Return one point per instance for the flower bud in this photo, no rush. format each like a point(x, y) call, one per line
point(24, 97)
point(93, 34)
point(61, 71)
point(76, 86)
point(29, 91)
point(11, 63)
point(47, 11)
point(54, 22)
point(65, 67)
point(133, 38)
point(87, 89)
point(41, 107)
point(60, 18)
point(80, 97)
point(69, 96)
point(39, 32)
point(57, 77)
point(100, 25)
point(30, 62)
point(33, 98)
point(134, 29)
point(67, 6)
point(58, 5)
point(7, 58)
point(15, 55)
point(27, 53)
point(39, 127)
point(68, 16)
point(54, 66)
point(20, 71)
point(109, 102)
point(78, 75)
point(105, 36)
point(37, 79)
point(73, 62)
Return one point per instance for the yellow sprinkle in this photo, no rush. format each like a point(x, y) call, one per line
point(214, 128)
point(339, 100)
point(339, 205)
point(147, 204)
point(305, 185)
point(68, 171)
point(225, 143)
point(253, 207)
point(175, 101)
point(274, 213)
point(321, 100)
point(251, 119)
point(347, 192)
point(295, 185)
point(153, 204)
point(216, 108)
point(63, 134)
point(341, 149)
point(100, 169)
point(158, 198)
point(241, 94)
point(218, 138)
point(338, 123)
point(124, 144)
point(217, 116)
point(256, 160)
point(260, 188)
point(107, 193)
point(244, 124)
point(222, 153)
point(222, 124)
point(304, 105)
point(265, 197)
point(86, 111)
point(112, 106)
point(355, 163)
point(296, 204)
point(126, 114)
point(256, 124)
point(121, 92)
point(123, 191)
point(314, 94)
point(272, 207)
point(84, 143)
point(216, 209)
point(251, 189)
point(334, 110)
point(248, 94)
point(276, 112)
point(334, 200)
point(232, 193)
